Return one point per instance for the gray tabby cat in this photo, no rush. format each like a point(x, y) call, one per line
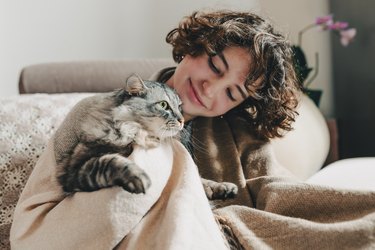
point(92, 144)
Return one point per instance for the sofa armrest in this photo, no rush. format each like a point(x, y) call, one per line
point(86, 76)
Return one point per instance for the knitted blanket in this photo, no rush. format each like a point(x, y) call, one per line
point(273, 210)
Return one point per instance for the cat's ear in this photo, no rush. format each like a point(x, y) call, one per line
point(135, 85)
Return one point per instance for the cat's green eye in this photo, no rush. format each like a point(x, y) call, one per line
point(164, 105)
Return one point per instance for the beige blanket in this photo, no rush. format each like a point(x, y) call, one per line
point(271, 211)
point(173, 214)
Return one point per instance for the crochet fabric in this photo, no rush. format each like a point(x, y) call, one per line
point(26, 124)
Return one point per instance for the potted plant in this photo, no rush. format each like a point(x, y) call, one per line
point(303, 70)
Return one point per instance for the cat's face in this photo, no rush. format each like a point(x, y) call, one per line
point(155, 106)
point(163, 116)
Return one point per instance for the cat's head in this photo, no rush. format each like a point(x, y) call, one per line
point(154, 105)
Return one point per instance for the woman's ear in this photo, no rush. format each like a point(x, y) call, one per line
point(135, 86)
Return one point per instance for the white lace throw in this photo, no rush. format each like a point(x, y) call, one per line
point(26, 123)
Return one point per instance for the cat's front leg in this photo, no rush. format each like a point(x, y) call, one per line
point(219, 190)
point(145, 140)
point(126, 133)
point(133, 132)
point(105, 171)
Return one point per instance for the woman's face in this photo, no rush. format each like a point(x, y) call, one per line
point(212, 86)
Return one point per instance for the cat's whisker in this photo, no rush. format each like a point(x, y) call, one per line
point(192, 141)
point(198, 145)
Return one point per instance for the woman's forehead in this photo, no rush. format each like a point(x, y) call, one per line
point(239, 60)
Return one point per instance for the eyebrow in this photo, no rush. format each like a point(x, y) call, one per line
point(243, 94)
point(224, 60)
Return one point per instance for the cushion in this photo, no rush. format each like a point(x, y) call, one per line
point(354, 173)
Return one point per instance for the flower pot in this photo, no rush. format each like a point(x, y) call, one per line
point(315, 95)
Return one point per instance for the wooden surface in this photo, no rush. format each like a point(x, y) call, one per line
point(333, 154)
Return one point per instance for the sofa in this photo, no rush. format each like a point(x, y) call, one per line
point(48, 91)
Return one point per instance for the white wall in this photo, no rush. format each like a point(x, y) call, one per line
point(45, 30)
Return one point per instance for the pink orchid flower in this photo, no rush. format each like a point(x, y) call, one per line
point(324, 20)
point(326, 23)
point(347, 36)
point(338, 26)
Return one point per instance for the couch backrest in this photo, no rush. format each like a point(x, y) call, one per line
point(86, 76)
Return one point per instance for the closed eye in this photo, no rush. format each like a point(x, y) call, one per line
point(229, 94)
point(213, 67)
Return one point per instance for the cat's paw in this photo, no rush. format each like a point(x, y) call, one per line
point(220, 190)
point(134, 180)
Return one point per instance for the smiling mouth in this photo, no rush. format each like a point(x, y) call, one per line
point(195, 95)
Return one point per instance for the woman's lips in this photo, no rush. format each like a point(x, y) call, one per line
point(194, 96)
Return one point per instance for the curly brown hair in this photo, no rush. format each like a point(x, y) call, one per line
point(271, 83)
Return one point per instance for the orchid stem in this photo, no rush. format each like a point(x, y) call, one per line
point(316, 71)
point(303, 31)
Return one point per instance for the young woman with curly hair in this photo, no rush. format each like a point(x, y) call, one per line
point(235, 61)
point(239, 90)
point(232, 66)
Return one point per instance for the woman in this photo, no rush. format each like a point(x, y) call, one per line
point(236, 62)
point(238, 87)
point(235, 74)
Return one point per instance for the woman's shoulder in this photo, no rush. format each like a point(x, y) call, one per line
point(238, 124)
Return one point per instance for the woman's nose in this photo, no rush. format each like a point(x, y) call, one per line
point(210, 89)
